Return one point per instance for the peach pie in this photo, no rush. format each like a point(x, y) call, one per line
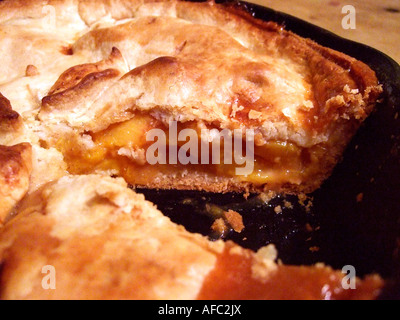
point(94, 94)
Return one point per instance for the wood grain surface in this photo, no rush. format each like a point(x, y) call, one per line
point(377, 21)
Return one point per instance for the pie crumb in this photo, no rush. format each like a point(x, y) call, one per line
point(278, 209)
point(287, 204)
point(219, 226)
point(235, 220)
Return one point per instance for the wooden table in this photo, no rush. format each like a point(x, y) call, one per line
point(377, 21)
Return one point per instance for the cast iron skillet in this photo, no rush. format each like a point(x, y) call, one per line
point(338, 229)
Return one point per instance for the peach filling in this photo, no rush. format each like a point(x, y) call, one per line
point(121, 148)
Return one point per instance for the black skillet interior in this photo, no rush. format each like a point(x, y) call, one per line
point(338, 229)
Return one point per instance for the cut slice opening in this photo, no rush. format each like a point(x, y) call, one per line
point(147, 152)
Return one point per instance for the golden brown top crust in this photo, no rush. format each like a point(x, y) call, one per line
point(75, 75)
point(9, 119)
point(95, 229)
point(85, 80)
point(15, 170)
point(90, 237)
point(243, 72)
